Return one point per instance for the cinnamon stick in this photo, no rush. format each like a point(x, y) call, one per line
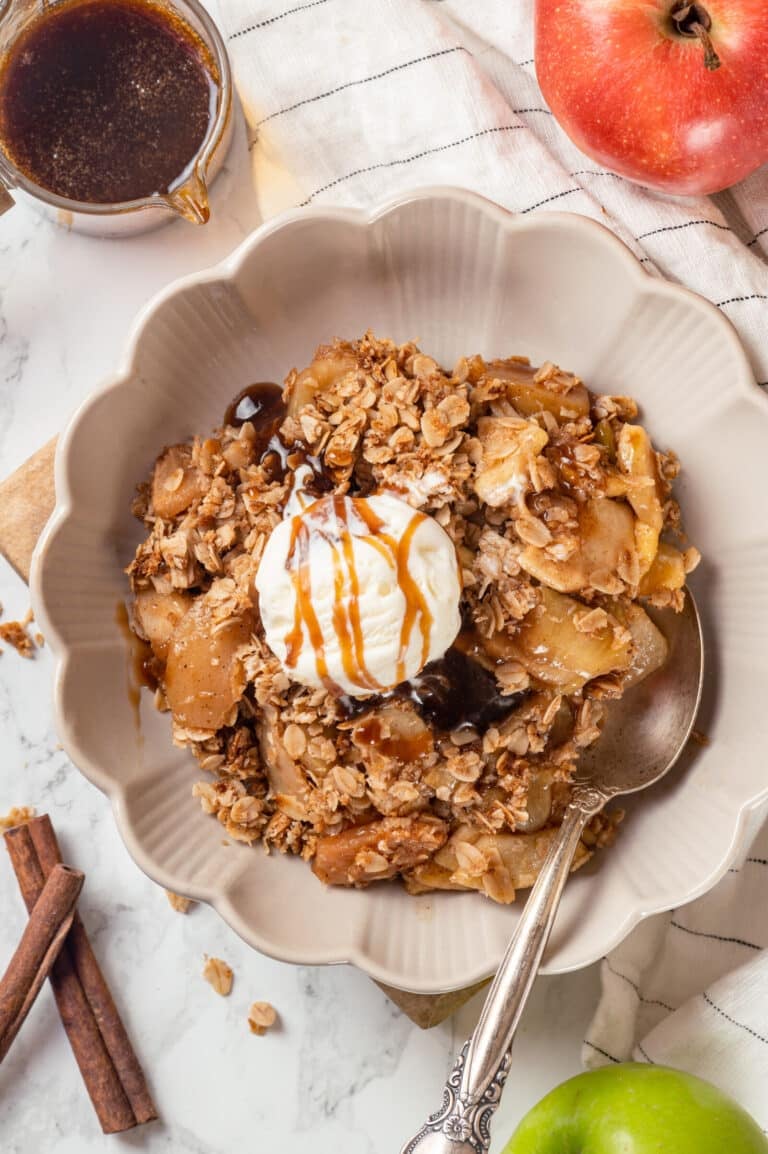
point(96, 989)
point(37, 951)
point(102, 1049)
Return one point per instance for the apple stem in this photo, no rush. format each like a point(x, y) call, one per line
point(693, 20)
point(711, 60)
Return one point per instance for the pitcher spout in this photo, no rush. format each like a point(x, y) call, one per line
point(190, 200)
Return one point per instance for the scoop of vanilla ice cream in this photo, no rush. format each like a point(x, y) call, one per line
point(358, 594)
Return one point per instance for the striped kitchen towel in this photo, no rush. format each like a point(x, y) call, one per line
point(350, 101)
point(690, 989)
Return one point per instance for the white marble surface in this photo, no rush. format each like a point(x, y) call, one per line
point(346, 1073)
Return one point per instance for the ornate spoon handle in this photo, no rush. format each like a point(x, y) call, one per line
point(473, 1089)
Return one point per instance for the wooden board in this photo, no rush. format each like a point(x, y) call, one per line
point(27, 499)
point(26, 502)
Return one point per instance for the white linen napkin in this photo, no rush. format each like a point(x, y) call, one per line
point(349, 101)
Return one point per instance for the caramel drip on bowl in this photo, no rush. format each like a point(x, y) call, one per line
point(329, 518)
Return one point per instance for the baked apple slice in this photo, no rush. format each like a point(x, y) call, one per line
point(649, 645)
point(157, 616)
point(667, 571)
point(494, 864)
point(556, 651)
point(637, 461)
point(176, 482)
point(531, 396)
point(330, 364)
point(287, 780)
point(378, 850)
point(606, 538)
point(509, 448)
point(204, 674)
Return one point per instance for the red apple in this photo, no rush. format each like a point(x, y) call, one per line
point(668, 93)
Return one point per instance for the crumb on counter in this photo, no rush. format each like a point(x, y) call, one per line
point(181, 904)
point(261, 1017)
point(15, 633)
point(219, 975)
point(17, 815)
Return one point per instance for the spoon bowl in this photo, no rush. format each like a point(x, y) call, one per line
point(648, 728)
point(644, 734)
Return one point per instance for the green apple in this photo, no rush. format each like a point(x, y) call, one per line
point(637, 1109)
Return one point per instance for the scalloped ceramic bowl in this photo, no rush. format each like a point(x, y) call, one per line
point(460, 275)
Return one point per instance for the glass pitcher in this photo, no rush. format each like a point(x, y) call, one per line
point(187, 197)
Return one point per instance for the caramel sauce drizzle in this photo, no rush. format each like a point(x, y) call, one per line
point(298, 563)
point(416, 607)
point(352, 669)
point(405, 749)
point(330, 518)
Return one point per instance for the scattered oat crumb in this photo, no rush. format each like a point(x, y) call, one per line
point(15, 633)
point(219, 974)
point(261, 1017)
point(224, 842)
point(17, 815)
point(179, 903)
point(39, 640)
point(699, 737)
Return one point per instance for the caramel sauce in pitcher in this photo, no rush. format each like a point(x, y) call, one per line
point(105, 101)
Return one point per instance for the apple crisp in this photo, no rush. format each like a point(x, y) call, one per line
point(560, 523)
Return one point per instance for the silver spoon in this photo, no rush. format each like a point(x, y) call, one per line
point(644, 735)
